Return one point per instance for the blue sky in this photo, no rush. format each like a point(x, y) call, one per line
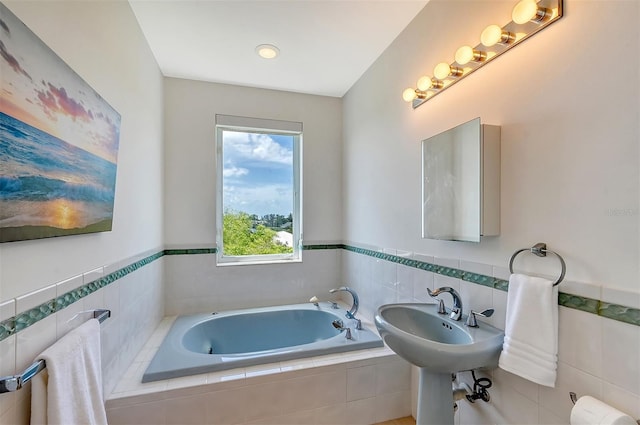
point(258, 173)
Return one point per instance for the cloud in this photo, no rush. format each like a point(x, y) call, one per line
point(56, 100)
point(255, 147)
point(12, 61)
point(233, 171)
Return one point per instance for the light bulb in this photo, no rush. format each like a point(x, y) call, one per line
point(466, 54)
point(442, 70)
point(424, 83)
point(409, 94)
point(491, 35)
point(524, 11)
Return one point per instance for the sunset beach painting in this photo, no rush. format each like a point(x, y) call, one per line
point(58, 143)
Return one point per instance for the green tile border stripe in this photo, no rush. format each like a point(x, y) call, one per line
point(479, 279)
point(611, 311)
point(25, 319)
point(190, 251)
point(30, 317)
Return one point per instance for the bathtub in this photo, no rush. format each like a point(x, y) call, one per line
point(218, 341)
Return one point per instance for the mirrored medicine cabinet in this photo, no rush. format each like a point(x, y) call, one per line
point(461, 183)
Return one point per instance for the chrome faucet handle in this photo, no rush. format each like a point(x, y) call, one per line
point(434, 294)
point(471, 320)
point(358, 324)
point(339, 325)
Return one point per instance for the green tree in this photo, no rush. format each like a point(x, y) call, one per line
point(241, 237)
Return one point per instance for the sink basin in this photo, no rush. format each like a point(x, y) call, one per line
point(439, 346)
point(417, 333)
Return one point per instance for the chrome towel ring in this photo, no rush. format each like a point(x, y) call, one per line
point(540, 249)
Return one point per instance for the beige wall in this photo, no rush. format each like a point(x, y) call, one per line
point(568, 104)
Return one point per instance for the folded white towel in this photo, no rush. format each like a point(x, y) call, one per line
point(530, 347)
point(69, 390)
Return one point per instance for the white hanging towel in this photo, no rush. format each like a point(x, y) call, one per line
point(530, 348)
point(69, 390)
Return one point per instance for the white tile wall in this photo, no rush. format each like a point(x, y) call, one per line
point(33, 299)
point(195, 284)
point(361, 382)
point(136, 311)
point(321, 395)
point(597, 356)
point(7, 367)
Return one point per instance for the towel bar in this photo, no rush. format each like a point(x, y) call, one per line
point(540, 249)
point(15, 382)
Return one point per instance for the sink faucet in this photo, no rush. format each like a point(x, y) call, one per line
point(456, 310)
point(351, 314)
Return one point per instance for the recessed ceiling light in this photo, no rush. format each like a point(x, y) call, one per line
point(267, 51)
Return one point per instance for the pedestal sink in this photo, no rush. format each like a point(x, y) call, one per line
point(439, 346)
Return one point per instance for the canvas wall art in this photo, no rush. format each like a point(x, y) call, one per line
point(58, 143)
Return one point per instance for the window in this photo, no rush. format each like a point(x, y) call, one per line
point(259, 200)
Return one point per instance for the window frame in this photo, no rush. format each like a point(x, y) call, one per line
point(259, 126)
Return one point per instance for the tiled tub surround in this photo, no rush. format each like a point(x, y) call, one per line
point(359, 387)
point(194, 284)
point(132, 289)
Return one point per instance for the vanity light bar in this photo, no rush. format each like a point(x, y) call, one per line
point(528, 18)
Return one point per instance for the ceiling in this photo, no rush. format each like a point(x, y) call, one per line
point(325, 45)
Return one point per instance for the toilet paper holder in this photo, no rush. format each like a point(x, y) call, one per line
point(574, 399)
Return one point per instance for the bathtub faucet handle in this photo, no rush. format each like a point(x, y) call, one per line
point(358, 324)
point(314, 300)
point(348, 334)
point(339, 325)
point(351, 314)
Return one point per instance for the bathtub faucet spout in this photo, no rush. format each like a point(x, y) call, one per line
point(351, 314)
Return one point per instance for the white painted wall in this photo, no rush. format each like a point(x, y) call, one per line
point(101, 41)
point(194, 283)
point(190, 174)
point(569, 177)
point(568, 104)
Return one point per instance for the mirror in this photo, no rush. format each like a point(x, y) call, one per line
point(461, 183)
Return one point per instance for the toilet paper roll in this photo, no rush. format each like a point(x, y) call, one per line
point(591, 411)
